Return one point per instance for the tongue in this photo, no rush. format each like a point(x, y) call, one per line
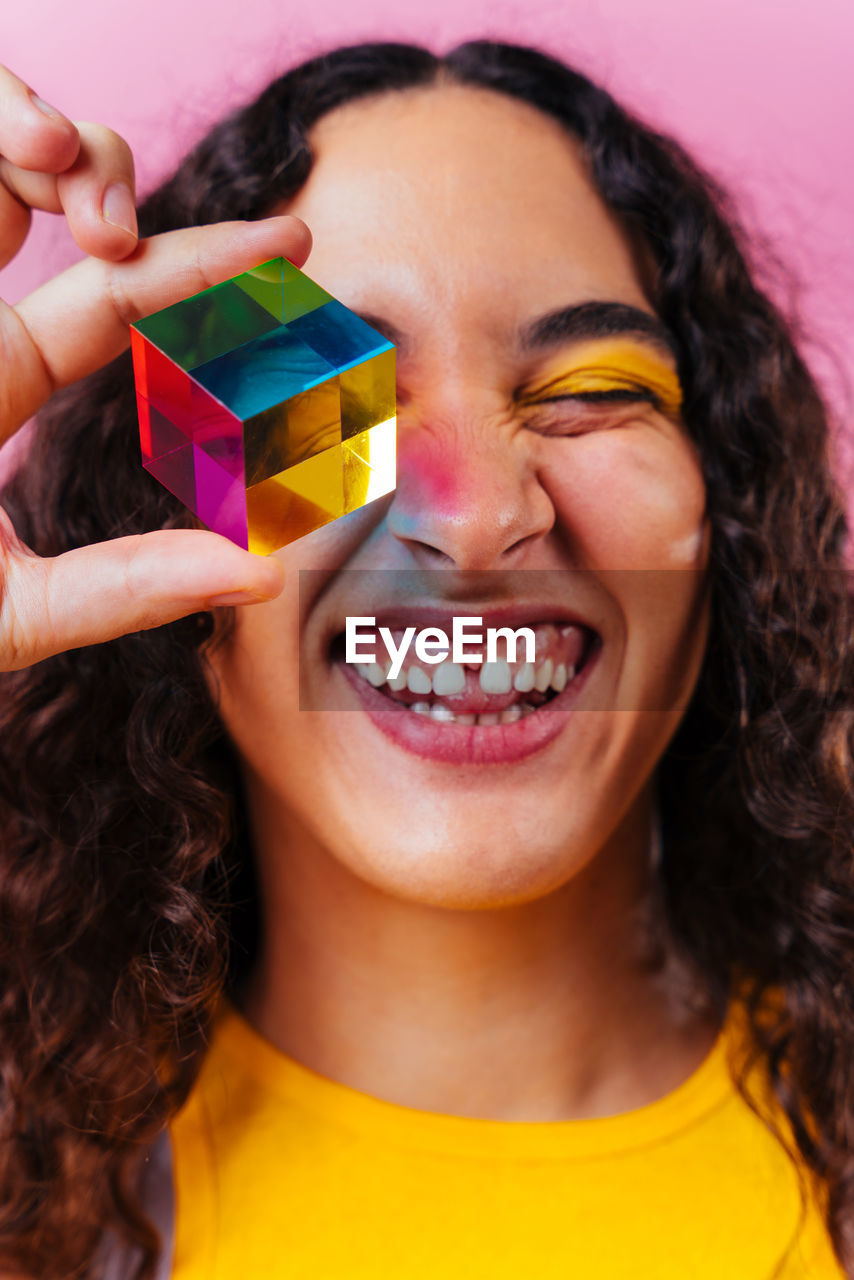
point(472, 700)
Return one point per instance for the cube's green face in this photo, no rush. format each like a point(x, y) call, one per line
point(266, 406)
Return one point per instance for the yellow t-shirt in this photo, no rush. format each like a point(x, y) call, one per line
point(280, 1173)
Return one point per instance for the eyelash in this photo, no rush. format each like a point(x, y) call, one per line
point(616, 396)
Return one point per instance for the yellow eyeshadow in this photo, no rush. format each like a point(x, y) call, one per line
point(609, 365)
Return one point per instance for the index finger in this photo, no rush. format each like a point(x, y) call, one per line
point(33, 134)
point(79, 321)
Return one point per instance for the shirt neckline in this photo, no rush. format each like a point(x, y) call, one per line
point(288, 1081)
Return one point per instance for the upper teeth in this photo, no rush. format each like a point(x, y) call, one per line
point(496, 677)
point(543, 676)
point(449, 678)
point(418, 680)
point(526, 678)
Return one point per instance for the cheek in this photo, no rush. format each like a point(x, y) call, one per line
point(632, 507)
point(629, 498)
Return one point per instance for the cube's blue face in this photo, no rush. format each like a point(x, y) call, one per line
point(266, 406)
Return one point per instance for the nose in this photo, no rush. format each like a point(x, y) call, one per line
point(468, 495)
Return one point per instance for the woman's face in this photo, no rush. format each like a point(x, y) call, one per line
point(464, 224)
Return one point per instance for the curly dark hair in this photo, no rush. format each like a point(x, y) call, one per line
point(125, 858)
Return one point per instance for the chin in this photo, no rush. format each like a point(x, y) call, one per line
point(443, 855)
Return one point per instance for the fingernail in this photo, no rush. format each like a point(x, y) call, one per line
point(118, 207)
point(46, 107)
point(237, 597)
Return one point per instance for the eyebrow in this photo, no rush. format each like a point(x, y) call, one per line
point(386, 328)
point(566, 324)
point(595, 320)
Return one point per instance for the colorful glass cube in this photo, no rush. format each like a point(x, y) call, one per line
point(266, 406)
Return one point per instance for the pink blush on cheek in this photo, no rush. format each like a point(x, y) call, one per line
point(433, 475)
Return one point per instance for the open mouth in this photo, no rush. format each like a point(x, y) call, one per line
point(479, 692)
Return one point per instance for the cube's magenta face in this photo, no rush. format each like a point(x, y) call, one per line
point(266, 406)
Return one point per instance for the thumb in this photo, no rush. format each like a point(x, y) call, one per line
point(99, 592)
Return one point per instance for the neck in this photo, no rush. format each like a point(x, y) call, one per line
point(555, 1009)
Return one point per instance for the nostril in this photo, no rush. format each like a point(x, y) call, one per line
point(521, 544)
point(427, 555)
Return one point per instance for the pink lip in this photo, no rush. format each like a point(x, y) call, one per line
point(468, 744)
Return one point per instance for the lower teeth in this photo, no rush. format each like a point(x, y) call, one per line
point(443, 715)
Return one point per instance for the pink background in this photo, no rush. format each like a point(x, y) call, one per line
point(760, 90)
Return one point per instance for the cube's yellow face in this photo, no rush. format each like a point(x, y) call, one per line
point(266, 406)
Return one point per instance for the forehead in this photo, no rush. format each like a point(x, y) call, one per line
point(451, 197)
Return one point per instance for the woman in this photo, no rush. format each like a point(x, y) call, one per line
point(558, 983)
